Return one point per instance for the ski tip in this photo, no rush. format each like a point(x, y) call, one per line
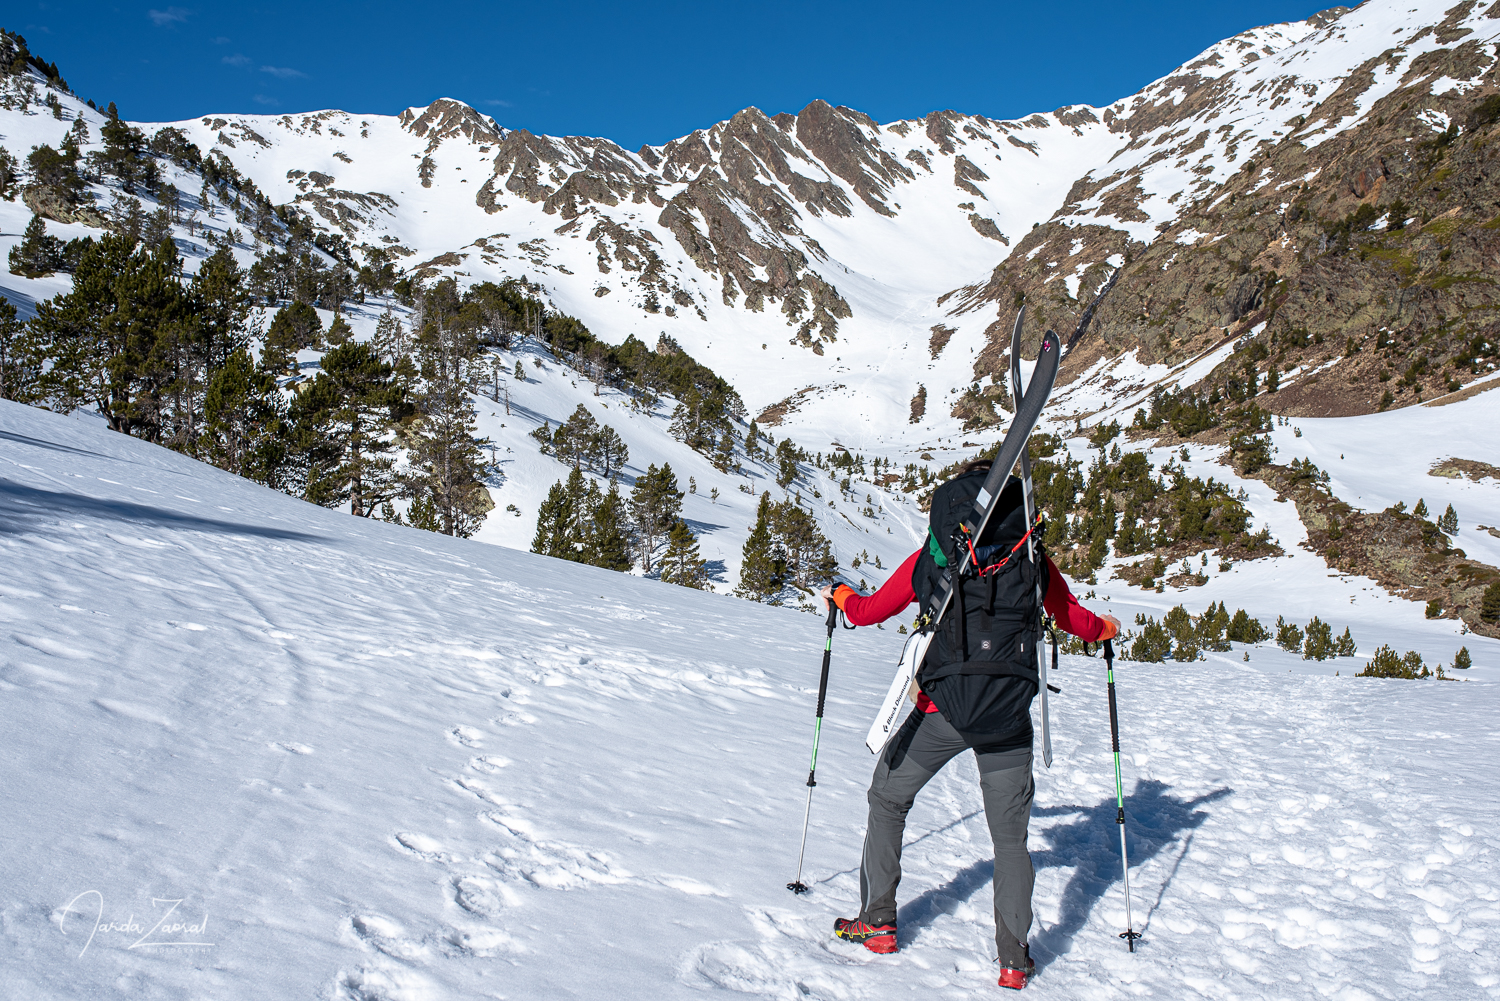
point(797, 887)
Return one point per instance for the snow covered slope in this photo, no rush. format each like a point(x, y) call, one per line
point(361, 761)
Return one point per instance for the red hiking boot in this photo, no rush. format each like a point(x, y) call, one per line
point(876, 938)
point(1017, 979)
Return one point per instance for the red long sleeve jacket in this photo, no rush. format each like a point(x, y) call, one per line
point(896, 593)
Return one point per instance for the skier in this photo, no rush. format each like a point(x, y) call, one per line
point(974, 691)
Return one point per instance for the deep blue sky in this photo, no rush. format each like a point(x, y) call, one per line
point(633, 72)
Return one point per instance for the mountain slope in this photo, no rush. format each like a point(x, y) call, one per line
point(376, 763)
point(826, 230)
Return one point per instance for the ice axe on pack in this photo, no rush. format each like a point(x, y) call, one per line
point(796, 885)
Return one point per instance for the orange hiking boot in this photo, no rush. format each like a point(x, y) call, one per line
point(876, 938)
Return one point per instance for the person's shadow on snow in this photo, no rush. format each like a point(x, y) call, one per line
point(1090, 845)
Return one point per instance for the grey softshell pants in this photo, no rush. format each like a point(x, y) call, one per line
point(918, 751)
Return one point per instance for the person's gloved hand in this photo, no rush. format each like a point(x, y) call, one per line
point(1111, 628)
point(842, 594)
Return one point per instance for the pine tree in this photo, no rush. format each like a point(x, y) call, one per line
point(1346, 647)
point(391, 338)
point(763, 567)
point(1420, 511)
point(125, 340)
point(786, 463)
point(520, 373)
point(809, 557)
point(1319, 643)
point(609, 538)
point(339, 331)
point(224, 306)
point(21, 358)
point(574, 440)
point(295, 327)
point(242, 421)
point(610, 452)
point(556, 521)
point(681, 564)
point(423, 514)
point(1489, 605)
point(1461, 660)
point(37, 255)
point(446, 457)
point(1449, 521)
point(752, 441)
point(1386, 664)
point(723, 457)
point(1244, 629)
point(8, 176)
point(655, 503)
point(350, 408)
point(1288, 635)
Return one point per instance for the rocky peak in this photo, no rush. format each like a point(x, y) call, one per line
point(446, 118)
point(837, 137)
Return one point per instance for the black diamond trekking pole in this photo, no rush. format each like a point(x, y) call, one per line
point(1129, 934)
point(796, 885)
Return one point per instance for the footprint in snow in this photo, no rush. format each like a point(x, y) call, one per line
point(483, 896)
point(549, 865)
point(466, 735)
point(388, 936)
point(489, 763)
point(420, 845)
point(390, 983)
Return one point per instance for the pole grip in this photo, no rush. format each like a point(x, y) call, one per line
point(833, 612)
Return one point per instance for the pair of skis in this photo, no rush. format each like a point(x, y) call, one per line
point(1029, 496)
point(1013, 449)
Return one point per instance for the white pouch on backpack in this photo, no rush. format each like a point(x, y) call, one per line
point(890, 709)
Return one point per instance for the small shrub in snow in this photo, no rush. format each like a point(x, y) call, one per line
point(1319, 643)
point(1244, 629)
point(1386, 664)
point(1288, 635)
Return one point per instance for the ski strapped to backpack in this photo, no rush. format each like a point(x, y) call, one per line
point(1032, 517)
point(1028, 412)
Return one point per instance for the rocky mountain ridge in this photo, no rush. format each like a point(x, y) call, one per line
point(1219, 184)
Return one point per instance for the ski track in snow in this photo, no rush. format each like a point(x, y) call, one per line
point(383, 764)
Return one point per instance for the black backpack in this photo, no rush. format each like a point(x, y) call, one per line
point(981, 669)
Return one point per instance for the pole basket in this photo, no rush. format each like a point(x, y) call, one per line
point(1130, 937)
point(800, 887)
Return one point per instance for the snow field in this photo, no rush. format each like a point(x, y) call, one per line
point(373, 762)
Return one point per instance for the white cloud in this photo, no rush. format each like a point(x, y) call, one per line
point(237, 60)
point(268, 101)
point(283, 72)
point(497, 103)
point(162, 18)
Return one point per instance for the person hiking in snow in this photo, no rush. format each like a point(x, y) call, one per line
point(974, 691)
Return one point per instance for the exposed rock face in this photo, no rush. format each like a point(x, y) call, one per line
point(837, 137)
point(348, 211)
point(49, 203)
point(1301, 247)
point(446, 119)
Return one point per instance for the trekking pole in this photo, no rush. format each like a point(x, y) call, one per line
point(796, 885)
point(1129, 934)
